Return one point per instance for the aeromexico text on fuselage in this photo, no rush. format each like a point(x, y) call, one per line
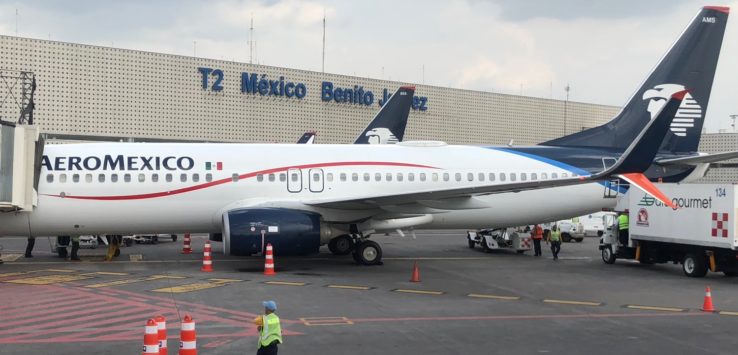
point(118, 162)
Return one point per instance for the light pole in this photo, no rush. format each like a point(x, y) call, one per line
point(566, 103)
point(733, 117)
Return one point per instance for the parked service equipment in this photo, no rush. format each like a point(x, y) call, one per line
point(504, 238)
point(701, 234)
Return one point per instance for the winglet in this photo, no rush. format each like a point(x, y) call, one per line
point(642, 182)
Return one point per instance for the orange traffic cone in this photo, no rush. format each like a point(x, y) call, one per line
point(161, 325)
point(207, 260)
point(269, 262)
point(187, 337)
point(187, 249)
point(416, 273)
point(151, 338)
point(707, 304)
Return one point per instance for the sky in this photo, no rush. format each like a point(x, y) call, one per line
point(601, 49)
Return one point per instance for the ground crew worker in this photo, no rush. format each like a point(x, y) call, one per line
point(623, 225)
point(29, 246)
point(537, 235)
point(554, 237)
point(75, 248)
point(270, 331)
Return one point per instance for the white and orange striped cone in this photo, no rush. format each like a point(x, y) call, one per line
point(151, 338)
point(269, 261)
point(187, 248)
point(707, 303)
point(187, 337)
point(161, 326)
point(207, 260)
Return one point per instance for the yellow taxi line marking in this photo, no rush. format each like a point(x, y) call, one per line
point(349, 287)
point(107, 273)
point(224, 280)
point(578, 303)
point(131, 281)
point(421, 292)
point(728, 313)
point(56, 270)
point(10, 257)
point(312, 321)
point(189, 287)
point(157, 277)
point(9, 274)
point(49, 279)
point(285, 283)
point(477, 295)
point(653, 308)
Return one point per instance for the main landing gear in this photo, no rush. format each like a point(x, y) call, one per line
point(365, 252)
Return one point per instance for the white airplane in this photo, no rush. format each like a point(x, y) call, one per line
point(298, 197)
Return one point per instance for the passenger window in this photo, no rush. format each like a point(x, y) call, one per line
point(513, 177)
point(481, 176)
point(422, 176)
point(544, 176)
point(355, 177)
point(169, 178)
point(502, 176)
point(154, 177)
point(259, 177)
point(563, 175)
point(208, 177)
point(316, 177)
point(329, 177)
point(377, 176)
point(470, 176)
point(127, 177)
point(491, 176)
point(434, 177)
point(101, 177)
point(183, 177)
point(457, 176)
point(367, 177)
point(235, 177)
point(554, 176)
point(49, 177)
point(446, 177)
point(410, 176)
point(295, 177)
point(282, 177)
point(196, 177)
point(141, 177)
point(113, 177)
point(523, 176)
point(63, 178)
point(399, 177)
point(75, 178)
point(388, 176)
point(533, 176)
point(272, 178)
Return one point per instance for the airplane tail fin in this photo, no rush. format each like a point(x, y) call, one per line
point(307, 138)
point(689, 64)
point(388, 126)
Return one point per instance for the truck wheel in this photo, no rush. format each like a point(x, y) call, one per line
point(694, 265)
point(579, 240)
point(483, 243)
point(607, 255)
point(472, 243)
point(566, 237)
point(174, 238)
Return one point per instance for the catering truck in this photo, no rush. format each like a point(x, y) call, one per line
point(701, 234)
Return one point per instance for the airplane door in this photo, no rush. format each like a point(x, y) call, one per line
point(317, 183)
point(294, 180)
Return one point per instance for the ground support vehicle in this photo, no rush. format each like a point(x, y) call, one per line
point(701, 233)
point(503, 238)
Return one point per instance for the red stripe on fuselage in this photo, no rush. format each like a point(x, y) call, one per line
point(242, 176)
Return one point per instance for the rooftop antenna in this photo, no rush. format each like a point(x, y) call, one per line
point(251, 40)
point(323, 62)
point(16, 22)
point(733, 117)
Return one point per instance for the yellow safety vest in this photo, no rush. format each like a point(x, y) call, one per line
point(555, 236)
point(270, 331)
point(623, 222)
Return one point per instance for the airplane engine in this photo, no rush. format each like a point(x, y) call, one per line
point(291, 232)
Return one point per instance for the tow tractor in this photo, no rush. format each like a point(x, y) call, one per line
point(701, 234)
point(500, 238)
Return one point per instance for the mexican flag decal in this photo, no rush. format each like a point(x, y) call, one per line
point(214, 165)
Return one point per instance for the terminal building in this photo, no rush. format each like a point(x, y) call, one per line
point(91, 93)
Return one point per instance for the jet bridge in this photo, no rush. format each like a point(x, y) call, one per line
point(20, 159)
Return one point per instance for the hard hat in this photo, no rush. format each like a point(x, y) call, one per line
point(270, 305)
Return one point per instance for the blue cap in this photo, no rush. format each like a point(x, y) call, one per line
point(270, 305)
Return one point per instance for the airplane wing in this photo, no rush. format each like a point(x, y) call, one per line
point(631, 164)
point(699, 159)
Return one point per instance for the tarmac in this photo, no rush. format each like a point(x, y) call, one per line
point(467, 301)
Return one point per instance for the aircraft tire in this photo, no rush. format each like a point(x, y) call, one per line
point(341, 245)
point(368, 253)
